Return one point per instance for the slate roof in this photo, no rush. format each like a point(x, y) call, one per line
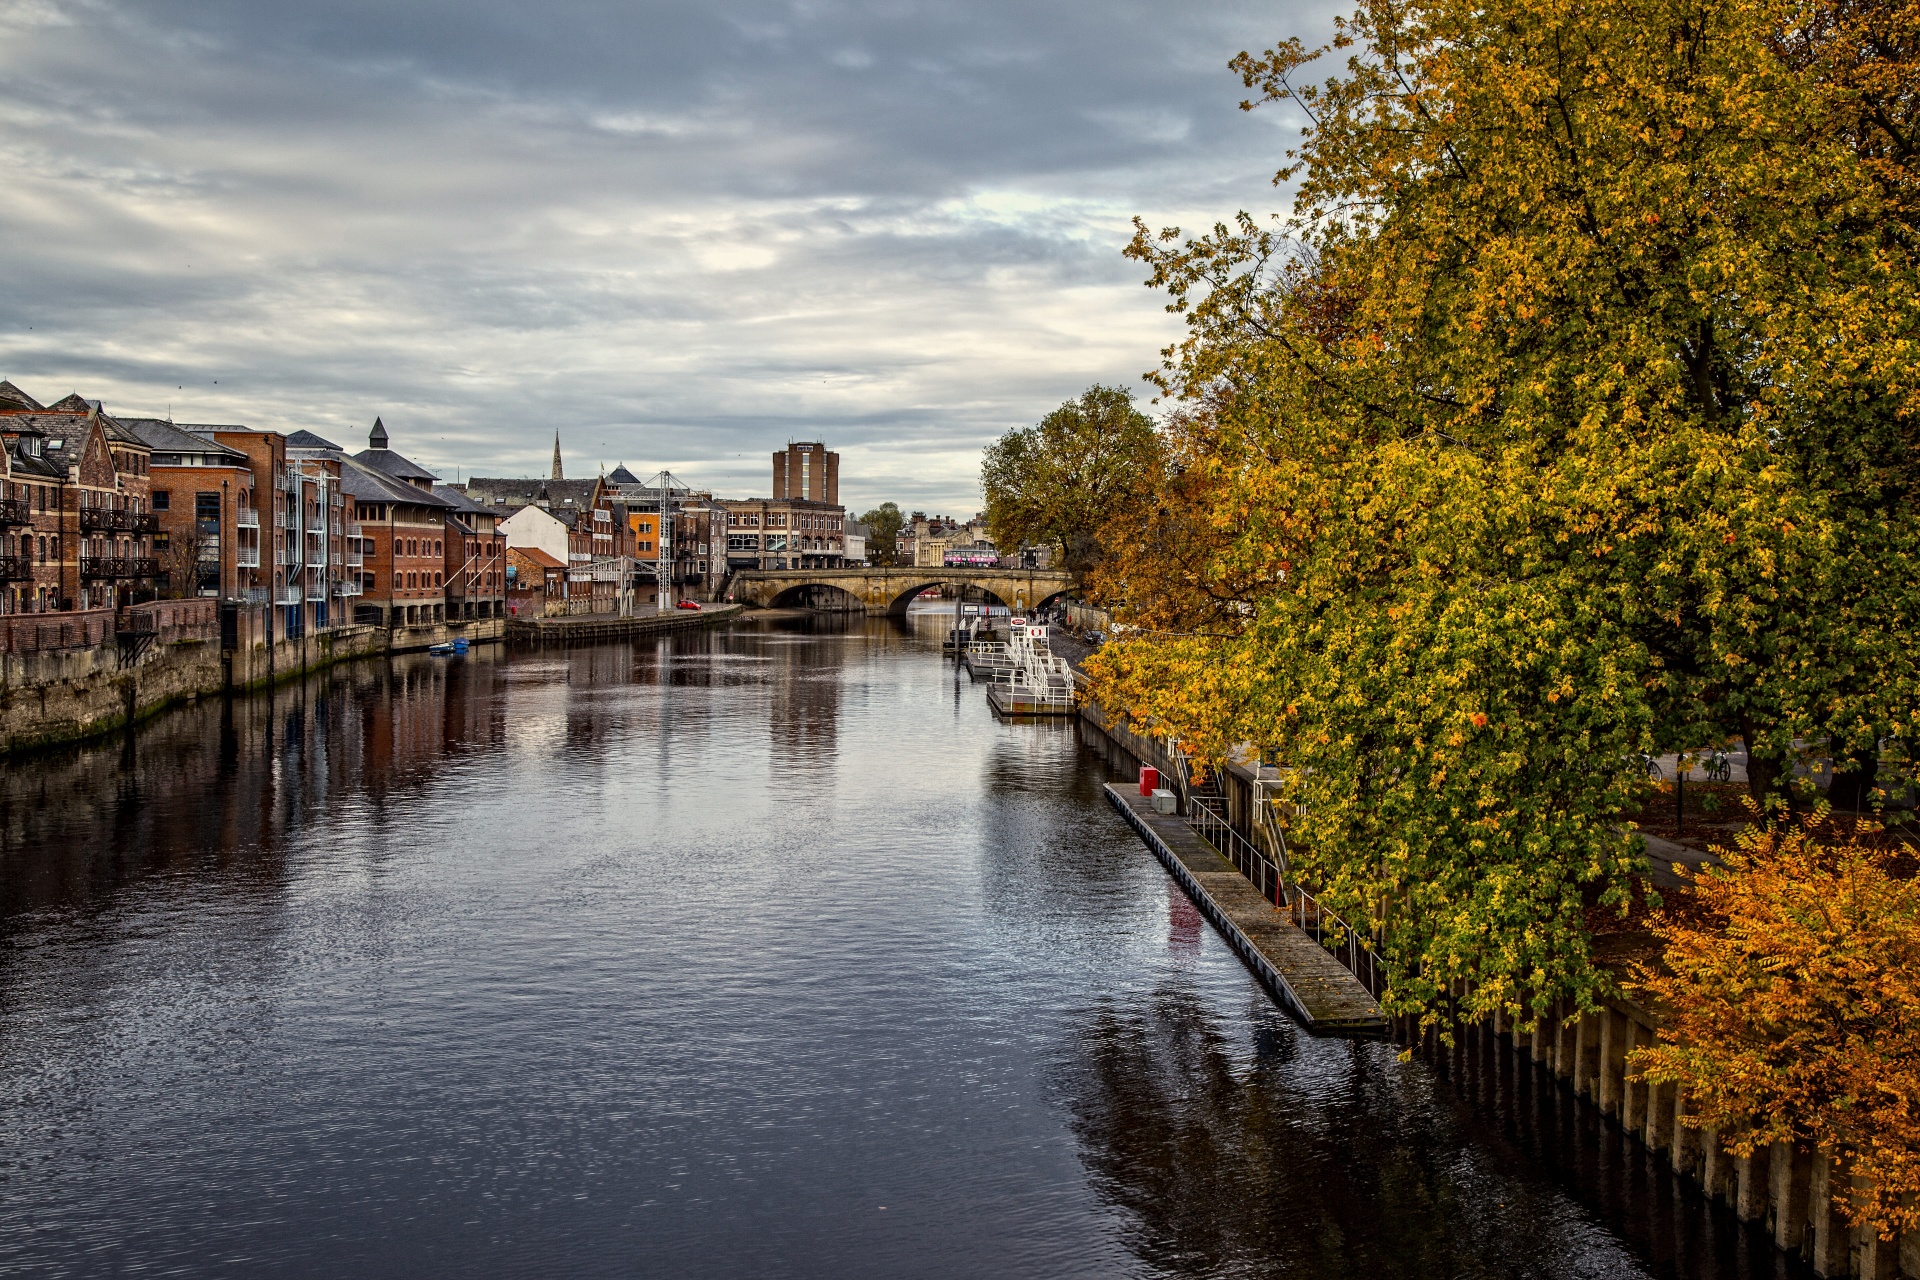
point(518, 492)
point(621, 475)
point(166, 437)
point(367, 485)
point(390, 463)
point(308, 440)
point(13, 399)
point(461, 501)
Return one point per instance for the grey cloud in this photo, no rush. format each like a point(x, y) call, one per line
point(682, 232)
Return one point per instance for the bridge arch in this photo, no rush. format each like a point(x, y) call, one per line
point(825, 596)
point(888, 589)
point(897, 607)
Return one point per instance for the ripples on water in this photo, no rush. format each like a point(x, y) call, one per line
point(765, 952)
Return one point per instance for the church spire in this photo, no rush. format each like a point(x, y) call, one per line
point(556, 457)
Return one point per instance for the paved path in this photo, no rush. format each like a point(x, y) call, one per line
point(1300, 973)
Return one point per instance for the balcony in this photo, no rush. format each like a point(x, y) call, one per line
point(119, 567)
point(14, 511)
point(354, 530)
point(347, 587)
point(15, 569)
point(318, 528)
point(289, 595)
point(118, 521)
point(354, 559)
point(247, 518)
point(247, 557)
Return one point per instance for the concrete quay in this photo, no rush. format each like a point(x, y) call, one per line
point(587, 628)
point(1299, 973)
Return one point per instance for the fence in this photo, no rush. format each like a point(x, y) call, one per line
point(1327, 928)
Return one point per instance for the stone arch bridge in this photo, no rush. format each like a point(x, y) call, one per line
point(888, 591)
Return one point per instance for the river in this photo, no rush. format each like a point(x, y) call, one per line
point(761, 952)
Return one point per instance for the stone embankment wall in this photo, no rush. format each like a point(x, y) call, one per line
point(64, 677)
point(1787, 1190)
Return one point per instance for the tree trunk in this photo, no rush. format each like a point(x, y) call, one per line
point(1852, 790)
point(1763, 774)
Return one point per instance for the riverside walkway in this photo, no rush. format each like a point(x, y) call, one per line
point(1300, 973)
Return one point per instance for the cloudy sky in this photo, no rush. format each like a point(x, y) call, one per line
point(679, 232)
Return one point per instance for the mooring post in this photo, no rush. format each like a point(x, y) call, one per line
point(1788, 1173)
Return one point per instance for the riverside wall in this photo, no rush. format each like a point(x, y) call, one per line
point(67, 677)
point(1784, 1191)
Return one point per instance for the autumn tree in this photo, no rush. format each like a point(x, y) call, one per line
point(1794, 990)
point(1569, 417)
point(1057, 483)
point(883, 532)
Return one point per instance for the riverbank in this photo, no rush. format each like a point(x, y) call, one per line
point(62, 683)
point(590, 628)
point(1784, 1192)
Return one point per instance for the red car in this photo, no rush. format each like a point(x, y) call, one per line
point(688, 604)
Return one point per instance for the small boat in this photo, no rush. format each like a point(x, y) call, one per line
point(445, 649)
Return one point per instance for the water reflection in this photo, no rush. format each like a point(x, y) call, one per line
point(686, 958)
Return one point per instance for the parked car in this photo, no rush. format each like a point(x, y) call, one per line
point(688, 604)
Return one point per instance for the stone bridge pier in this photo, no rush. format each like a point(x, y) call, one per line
point(888, 591)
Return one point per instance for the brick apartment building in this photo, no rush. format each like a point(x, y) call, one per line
point(782, 533)
point(476, 557)
point(209, 538)
point(807, 472)
point(74, 509)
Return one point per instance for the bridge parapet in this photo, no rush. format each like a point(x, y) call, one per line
point(886, 591)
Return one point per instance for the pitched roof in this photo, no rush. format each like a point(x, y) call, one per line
point(13, 399)
point(460, 500)
point(523, 492)
point(621, 475)
point(391, 463)
point(365, 484)
point(73, 404)
point(169, 438)
point(308, 440)
point(536, 555)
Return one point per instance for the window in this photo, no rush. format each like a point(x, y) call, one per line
point(436, 580)
point(436, 547)
point(162, 500)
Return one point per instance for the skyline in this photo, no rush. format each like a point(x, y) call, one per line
point(681, 236)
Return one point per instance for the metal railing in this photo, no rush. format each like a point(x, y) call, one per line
point(110, 567)
point(247, 518)
point(118, 520)
point(348, 587)
point(247, 557)
point(289, 595)
point(15, 569)
point(14, 511)
point(1347, 944)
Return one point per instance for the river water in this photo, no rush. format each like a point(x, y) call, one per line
point(764, 952)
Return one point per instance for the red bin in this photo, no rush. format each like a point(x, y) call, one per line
point(1149, 779)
